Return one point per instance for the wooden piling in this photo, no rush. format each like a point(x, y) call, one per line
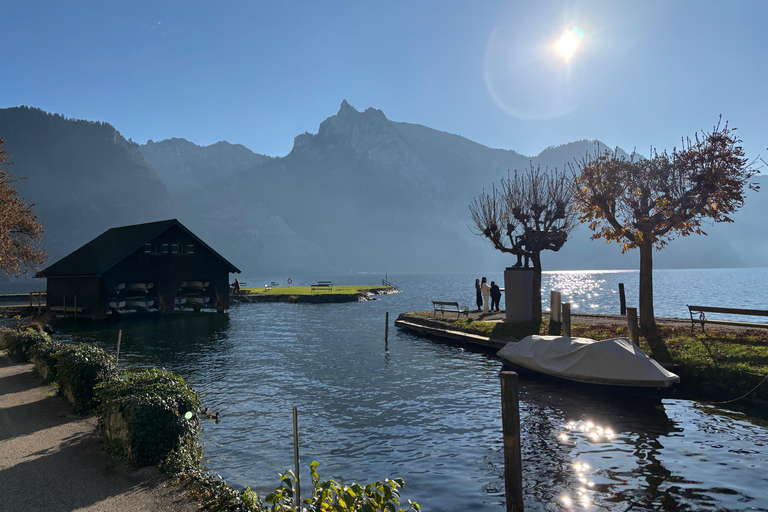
point(634, 334)
point(622, 299)
point(119, 338)
point(296, 455)
point(513, 462)
point(567, 319)
point(64, 305)
point(386, 327)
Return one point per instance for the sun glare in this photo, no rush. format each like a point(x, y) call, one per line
point(568, 43)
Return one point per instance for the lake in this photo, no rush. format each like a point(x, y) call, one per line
point(431, 413)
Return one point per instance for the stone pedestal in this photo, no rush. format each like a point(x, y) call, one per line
point(518, 294)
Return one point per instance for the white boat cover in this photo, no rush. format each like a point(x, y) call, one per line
point(615, 362)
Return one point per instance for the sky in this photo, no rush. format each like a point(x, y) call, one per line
point(642, 73)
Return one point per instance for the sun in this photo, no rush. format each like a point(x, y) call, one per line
point(568, 43)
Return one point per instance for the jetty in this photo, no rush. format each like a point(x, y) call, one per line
point(322, 293)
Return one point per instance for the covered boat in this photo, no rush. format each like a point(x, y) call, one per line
point(615, 362)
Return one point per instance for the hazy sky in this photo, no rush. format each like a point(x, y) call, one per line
point(259, 73)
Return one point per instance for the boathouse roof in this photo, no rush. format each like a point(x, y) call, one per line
point(114, 245)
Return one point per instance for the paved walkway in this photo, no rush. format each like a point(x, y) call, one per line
point(52, 460)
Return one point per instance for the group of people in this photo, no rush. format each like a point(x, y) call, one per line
point(484, 292)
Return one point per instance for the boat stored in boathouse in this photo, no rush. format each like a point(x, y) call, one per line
point(145, 265)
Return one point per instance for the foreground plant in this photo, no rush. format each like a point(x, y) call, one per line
point(333, 496)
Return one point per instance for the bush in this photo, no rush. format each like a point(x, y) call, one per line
point(80, 368)
point(153, 414)
point(45, 356)
point(18, 344)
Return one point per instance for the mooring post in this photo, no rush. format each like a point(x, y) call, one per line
point(567, 319)
point(622, 299)
point(119, 337)
point(634, 335)
point(513, 462)
point(386, 327)
point(296, 455)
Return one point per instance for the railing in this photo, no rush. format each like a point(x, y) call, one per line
point(387, 283)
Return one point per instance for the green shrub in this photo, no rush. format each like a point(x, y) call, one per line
point(80, 368)
point(154, 414)
point(45, 356)
point(18, 344)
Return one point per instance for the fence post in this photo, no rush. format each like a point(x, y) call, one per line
point(622, 299)
point(634, 335)
point(567, 319)
point(513, 462)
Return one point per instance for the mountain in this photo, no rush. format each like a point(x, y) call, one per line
point(83, 176)
point(364, 193)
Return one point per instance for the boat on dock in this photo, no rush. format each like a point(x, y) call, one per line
point(138, 302)
point(134, 287)
point(612, 364)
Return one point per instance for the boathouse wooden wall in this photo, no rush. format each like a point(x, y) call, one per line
point(167, 261)
point(86, 292)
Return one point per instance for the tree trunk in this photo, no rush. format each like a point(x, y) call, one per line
point(536, 299)
point(647, 319)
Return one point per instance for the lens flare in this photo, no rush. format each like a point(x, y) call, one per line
point(569, 42)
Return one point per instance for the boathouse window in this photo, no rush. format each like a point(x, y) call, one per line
point(191, 249)
point(147, 248)
point(165, 248)
point(153, 248)
point(174, 248)
point(186, 249)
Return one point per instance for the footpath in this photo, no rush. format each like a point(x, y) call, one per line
point(53, 460)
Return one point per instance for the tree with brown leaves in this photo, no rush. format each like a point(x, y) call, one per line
point(531, 213)
point(20, 231)
point(645, 203)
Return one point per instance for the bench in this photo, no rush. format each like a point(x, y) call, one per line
point(702, 319)
point(442, 306)
point(323, 285)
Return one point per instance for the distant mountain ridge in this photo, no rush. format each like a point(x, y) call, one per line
point(362, 194)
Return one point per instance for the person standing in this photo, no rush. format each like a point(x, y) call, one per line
point(495, 295)
point(486, 291)
point(479, 295)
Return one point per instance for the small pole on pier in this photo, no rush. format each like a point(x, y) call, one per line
point(623, 299)
point(567, 319)
point(513, 462)
point(119, 337)
point(296, 455)
point(634, 335)
point(555, 320)
point(386, 327)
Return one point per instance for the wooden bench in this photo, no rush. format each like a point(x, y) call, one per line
point(702, 319)
point(323, 285)
point(442, 306)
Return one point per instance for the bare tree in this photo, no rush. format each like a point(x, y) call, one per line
point(530, 213)
point(20, 231)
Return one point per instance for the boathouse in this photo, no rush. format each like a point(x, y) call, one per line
point(158, 266)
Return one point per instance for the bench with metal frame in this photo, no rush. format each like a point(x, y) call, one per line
point(444, 306)
point(702, 319)
point(323, 285)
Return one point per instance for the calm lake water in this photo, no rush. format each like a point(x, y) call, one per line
point(430, 412)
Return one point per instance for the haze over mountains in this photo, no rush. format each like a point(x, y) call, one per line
point(362, 194)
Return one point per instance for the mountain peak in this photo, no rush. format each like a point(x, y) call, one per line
point(346, 109)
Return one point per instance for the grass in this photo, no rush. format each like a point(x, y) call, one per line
point(307, 290)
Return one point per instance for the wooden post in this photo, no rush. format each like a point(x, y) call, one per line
point(623, 299)
point(386, 327)
point(119, 337)
point(30, 302)
point(296, 455)
point(567, 319)
point(64, 304)
point(513, 462)
point(555, 319)
point(634, 335)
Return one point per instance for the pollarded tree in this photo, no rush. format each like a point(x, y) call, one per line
point(20, 231)
point(531, 213)
point(644, 203)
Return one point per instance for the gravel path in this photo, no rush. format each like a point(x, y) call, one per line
point(52, 460)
